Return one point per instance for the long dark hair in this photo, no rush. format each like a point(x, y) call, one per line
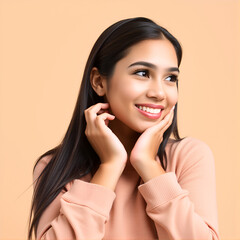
point(74, 157)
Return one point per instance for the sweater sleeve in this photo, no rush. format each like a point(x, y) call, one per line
point(79, 213)
point(182, 204)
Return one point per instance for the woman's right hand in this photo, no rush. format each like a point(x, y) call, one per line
point(105, 143)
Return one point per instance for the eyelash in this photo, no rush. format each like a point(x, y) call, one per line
point(142, 70)
point(174, 77)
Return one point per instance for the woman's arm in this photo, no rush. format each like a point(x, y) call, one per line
point(183, 204)
point(110, 150)
point(79, 213)
point(82, 212)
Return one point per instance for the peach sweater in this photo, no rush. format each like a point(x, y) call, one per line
point(180, 204)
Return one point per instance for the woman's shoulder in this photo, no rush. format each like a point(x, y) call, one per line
point(187, 143)
point(188, 152)
point(40, 165)
point(43, 162)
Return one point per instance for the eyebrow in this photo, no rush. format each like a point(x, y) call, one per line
point(150, 65)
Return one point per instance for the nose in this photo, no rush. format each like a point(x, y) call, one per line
point(156, 91)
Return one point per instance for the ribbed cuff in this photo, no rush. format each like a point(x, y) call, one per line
point(94, 196)
point(160, 190)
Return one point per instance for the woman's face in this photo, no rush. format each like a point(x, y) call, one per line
point(143, 89)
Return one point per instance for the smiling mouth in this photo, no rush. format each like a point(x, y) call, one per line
point(149, 110)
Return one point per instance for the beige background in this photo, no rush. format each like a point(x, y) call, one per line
point(44, 46)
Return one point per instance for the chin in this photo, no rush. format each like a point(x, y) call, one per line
point(134, 125)
point(141, 129)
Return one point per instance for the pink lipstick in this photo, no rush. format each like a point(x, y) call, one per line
point(151, 111)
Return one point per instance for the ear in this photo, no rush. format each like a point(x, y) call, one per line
point(98, 82)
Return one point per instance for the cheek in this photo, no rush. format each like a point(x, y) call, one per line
point(123, 90)
point(117, 95)
point(172, 97)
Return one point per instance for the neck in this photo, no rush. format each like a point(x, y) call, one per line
point(127, 136)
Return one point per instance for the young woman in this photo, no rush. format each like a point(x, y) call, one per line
point(117, 174)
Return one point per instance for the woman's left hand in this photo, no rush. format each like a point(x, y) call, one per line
point(143, 154)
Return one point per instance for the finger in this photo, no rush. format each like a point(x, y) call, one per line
point(106, 120)
point(105, 116)
point(168, 124)
point(168, 119)
point(103, 119)
point(102, 111)
point(163, 125)
point(99, 122)
point(91, 112)
point(169, 116)
point(97, 107)
point(169, 113)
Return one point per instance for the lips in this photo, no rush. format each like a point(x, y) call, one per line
point(151, 111)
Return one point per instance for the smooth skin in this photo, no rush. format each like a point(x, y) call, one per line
point(121, 136)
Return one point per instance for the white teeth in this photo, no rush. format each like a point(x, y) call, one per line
point(150, 110)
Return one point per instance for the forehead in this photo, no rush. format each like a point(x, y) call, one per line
point(158, 51)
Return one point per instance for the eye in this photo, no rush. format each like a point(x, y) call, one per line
point(142, 73)
point(172, 78)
